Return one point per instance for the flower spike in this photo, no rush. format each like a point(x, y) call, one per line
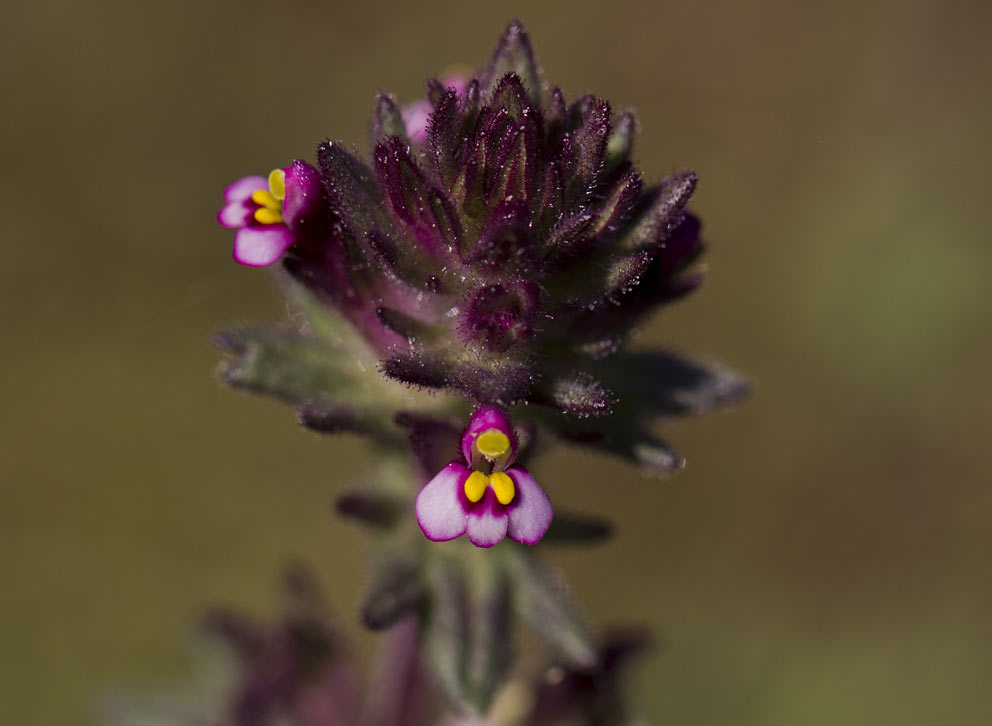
point(486, 497)
point(498, 249)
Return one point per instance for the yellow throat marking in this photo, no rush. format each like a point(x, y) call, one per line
point(502, 484)
point(492, 444)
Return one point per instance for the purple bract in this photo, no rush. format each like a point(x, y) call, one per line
point(417, 114)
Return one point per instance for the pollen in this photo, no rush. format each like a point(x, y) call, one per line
point(503, 487)
point(492, 444)
point(475, 486)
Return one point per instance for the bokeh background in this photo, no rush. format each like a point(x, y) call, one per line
point(824, 559)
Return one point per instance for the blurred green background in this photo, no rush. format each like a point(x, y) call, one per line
point(825, 558)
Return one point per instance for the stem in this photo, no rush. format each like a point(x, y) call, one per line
point(395, 694)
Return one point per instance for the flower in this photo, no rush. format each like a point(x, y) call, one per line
point(487, 496)
point(270, 214)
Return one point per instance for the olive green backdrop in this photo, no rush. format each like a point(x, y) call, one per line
point(825, 558)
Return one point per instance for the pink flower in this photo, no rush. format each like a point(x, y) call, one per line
point(271, 214)
point(486, 497)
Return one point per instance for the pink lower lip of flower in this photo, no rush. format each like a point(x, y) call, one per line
point(260, 247)
point(445, 513)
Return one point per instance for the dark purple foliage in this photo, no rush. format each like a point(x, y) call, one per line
point(500, 246)
point(506, 247)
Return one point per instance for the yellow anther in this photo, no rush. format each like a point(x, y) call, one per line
point(503, 487)
point(492, 444)
point(264, 215)
point(277, 183)
point(475, 486)
point(265, 198)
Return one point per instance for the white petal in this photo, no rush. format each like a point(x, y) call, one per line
point(530, 512)
point(261, 246)
point(242, 189)
point(487, 521)
point(234, 215)
point(441, 512)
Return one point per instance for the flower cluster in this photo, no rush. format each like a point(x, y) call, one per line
point(496, 253)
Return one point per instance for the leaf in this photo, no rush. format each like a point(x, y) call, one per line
point(491, 636)
point(387, 120)
point(374, 509)
point(351, 190)
point(623, 437)
point(283, 363)
point(334, 387)
point(513, 54)
point(542, 601)
point(621, 141)
point(585, 153)
point(395, 592)
point(433, 441)
point(331, 418)
point(443, 137)
point(581, 395)
point(407, 326)
point(417, 368)
point(445, 630)
point(501, 383)
point(658, 384)
point(618, 203)
point(569, 528)
point(425, 211)
point(666, 279)
point(664, 213)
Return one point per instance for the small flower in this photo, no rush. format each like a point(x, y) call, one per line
point(487, 496)
point(271, 214)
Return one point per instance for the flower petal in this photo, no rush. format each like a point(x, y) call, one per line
point(234, 215)
point(441, 507)
point(261, 246)
point(243, 188)
point(530, 512)
point(302, 206)
point(487, 522)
